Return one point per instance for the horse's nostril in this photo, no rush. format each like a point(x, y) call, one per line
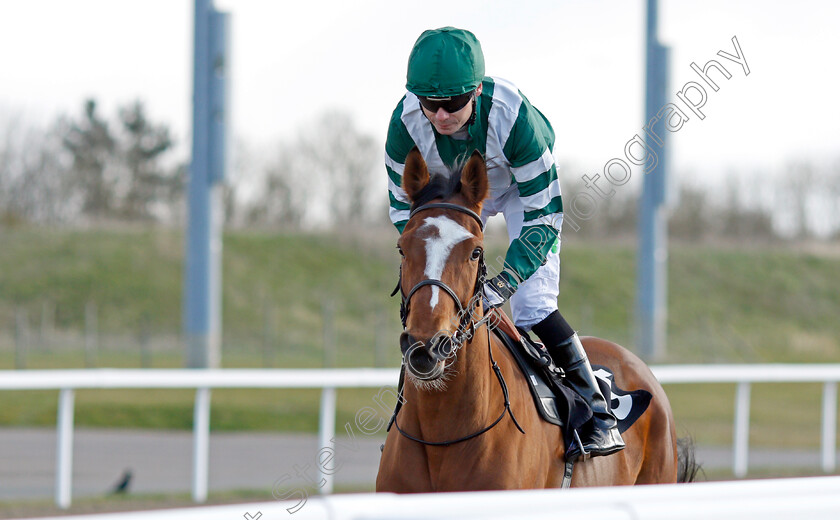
point(406, 342)
point(441, 347)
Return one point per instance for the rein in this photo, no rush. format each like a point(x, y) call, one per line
point(466, 324)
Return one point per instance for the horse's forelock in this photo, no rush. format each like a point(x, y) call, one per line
point(444, 185)
point(440, 186)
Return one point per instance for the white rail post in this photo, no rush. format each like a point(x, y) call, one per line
point(201, 444)
point(326, 431)
point(829, 427)
point(64, 451)
point(742, 430)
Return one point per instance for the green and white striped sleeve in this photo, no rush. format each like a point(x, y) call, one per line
point(528, 148)
point(397, 146)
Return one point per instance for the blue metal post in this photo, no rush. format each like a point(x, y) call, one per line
point(202, 280)
point(652, 257)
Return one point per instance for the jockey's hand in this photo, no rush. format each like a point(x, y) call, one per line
point(497, 291)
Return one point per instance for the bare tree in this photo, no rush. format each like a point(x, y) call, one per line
point(34, 185)
point(590, 214)
point(286, 192)
point(240, 183)
point(738, 214)
point(690, 219)
point(799, 187)
point(326, 177)
point(346, 162)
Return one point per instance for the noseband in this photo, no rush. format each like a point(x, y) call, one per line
point(466, 324)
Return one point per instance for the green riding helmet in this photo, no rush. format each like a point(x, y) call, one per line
point(445, 62)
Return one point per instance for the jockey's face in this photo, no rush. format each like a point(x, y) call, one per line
point(448, 123)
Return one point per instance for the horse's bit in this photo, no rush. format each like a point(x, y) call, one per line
point(466, 324)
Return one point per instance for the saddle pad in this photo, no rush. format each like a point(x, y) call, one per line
point(551, 409)
point(564, 407)
point(627, 407)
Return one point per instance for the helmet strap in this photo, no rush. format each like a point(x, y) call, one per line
point(471, 120)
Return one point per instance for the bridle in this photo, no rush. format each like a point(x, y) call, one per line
point(466, 327)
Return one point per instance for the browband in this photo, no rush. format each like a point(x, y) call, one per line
point(449, 205)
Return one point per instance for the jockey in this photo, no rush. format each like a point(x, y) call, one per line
point(451, 108)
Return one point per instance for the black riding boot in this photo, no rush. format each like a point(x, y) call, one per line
point(599, 436)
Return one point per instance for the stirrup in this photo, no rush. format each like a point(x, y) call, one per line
point(584, 455)
point(577, 449)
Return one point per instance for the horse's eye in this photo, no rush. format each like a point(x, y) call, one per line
point(476, 254)
point(399, 249)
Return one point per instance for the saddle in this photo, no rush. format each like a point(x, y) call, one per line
point(557, 403)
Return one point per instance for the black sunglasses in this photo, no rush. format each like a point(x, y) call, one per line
point(448, 104)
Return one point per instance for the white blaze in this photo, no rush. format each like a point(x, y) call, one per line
point(438, 247)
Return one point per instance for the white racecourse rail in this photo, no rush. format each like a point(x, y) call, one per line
point(782, 499)
point(67, 381)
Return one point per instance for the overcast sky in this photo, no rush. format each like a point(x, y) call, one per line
point(580, 62)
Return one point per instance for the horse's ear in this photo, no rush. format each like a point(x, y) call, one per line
point(415, 175)
point(474, 183)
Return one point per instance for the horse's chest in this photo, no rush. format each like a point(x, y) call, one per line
point(479, 468)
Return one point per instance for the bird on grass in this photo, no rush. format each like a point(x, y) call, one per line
point(123, 484)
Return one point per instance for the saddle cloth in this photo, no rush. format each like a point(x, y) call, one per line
point(560, 405)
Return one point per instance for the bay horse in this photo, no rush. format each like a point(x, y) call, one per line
point(468, 421)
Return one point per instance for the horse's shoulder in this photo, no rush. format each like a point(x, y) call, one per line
point(505, 359)
point(515, 378)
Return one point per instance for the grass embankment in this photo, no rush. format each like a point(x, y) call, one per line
point(725, 305)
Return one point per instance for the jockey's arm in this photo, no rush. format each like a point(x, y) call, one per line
point(397, 146)
point(529, 150)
